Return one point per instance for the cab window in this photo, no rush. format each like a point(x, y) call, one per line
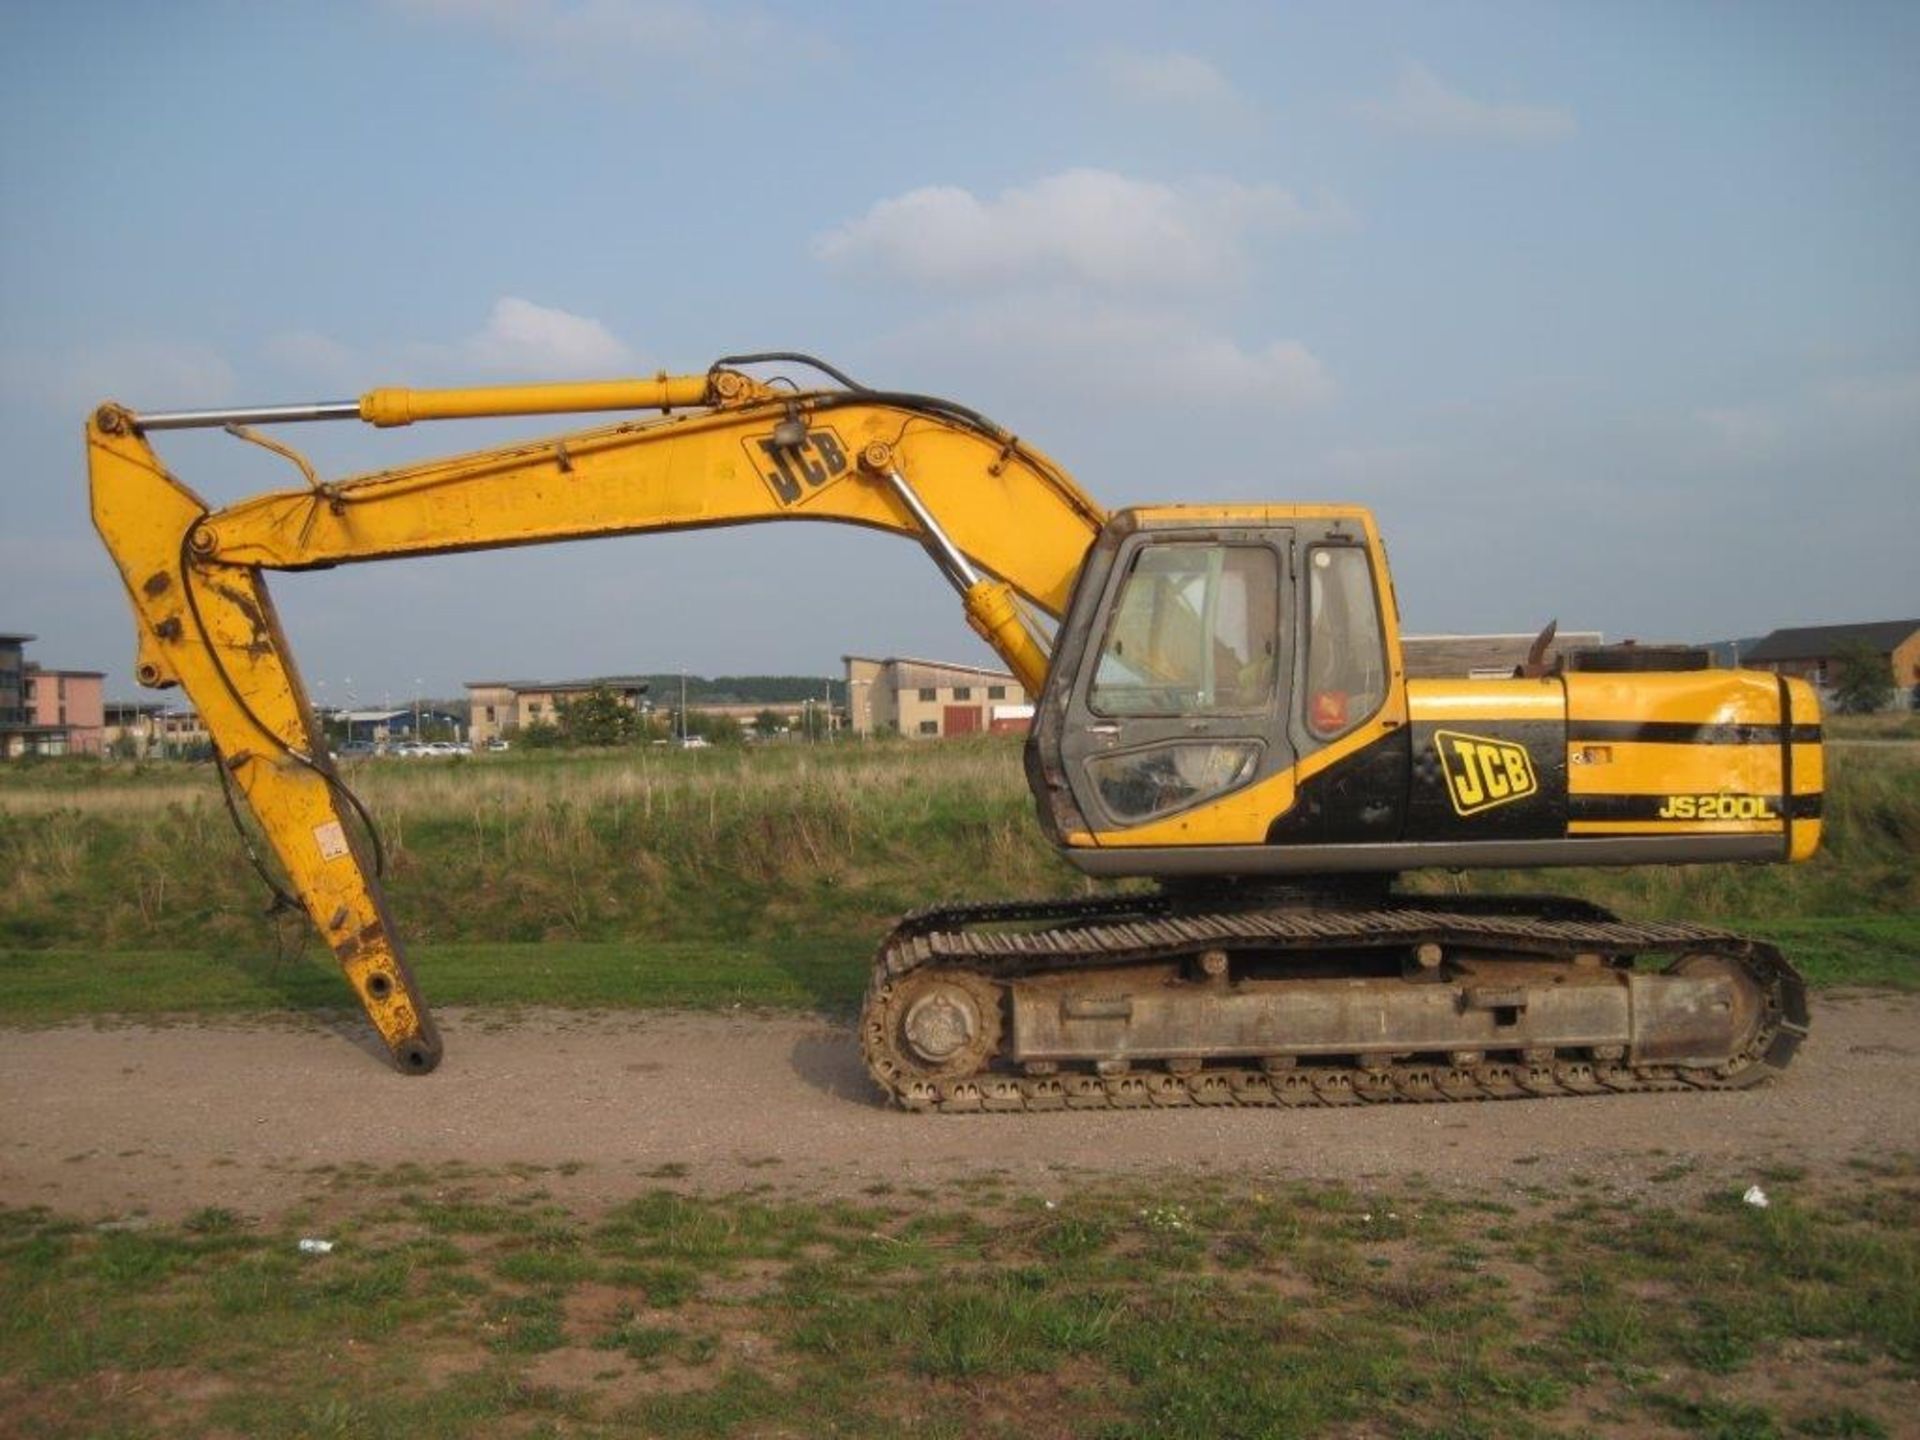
point(1346, 652)
point(1194, 631)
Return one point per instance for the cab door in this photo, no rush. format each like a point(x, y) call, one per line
point(1179, 684)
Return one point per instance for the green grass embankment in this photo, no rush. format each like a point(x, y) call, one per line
point(718, 878)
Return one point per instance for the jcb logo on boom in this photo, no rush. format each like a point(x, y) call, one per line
point(1718, 807)
point(794, 472)
point(1483, 773)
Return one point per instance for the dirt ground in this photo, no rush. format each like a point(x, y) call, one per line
point(109, 1120)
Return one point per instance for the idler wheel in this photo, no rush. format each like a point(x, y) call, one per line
point(941, 1025)
point(1749, 1003)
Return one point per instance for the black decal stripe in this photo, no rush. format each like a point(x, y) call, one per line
point(1786, 762)
point(1680, 732)
point(1648, 807)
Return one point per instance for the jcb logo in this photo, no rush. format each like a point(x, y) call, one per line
point(1718, 807)
point(794, 472)
point(1483, 773)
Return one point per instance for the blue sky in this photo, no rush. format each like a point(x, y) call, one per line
point(1609, 311)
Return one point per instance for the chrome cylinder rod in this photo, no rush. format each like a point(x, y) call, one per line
point(947, 554)
point(258, 415)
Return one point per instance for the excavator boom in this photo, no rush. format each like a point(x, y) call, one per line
point(206, 622)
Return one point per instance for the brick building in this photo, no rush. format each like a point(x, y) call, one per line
point(47, 711)
point(1809, 651)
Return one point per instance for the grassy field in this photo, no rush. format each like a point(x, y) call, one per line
point(717, 877)
point(1099, 1310)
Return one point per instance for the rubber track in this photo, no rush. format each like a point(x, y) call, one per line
point(1130, 930)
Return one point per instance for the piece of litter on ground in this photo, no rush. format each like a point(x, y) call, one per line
point(311, 1246)
point(1755, 1197)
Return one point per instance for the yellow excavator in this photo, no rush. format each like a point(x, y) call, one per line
point(1222, 708)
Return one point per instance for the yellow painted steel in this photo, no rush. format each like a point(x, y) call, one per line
point(1468, 702)
point(1692, 697)
point(1750, 775)
point(994, 614)
point(1016, 515)
point(211, 628)
point(206, 622)
point(389, 407)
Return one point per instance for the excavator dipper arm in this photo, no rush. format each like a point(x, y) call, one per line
point(1003, 522)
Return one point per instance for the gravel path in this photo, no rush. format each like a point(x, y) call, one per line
point(107, 1120)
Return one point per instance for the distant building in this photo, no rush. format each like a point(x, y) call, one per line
point(377, 727)
point(140, 730)
point(498, 706)
point(132, 728)
point(47, 711)
point(183, 732)
point(1730, 654)
point(1809, 651)
point(926, 699)
point(13, 707)
point(1484, 657)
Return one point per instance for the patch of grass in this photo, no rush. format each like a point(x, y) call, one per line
point(1718, 1419)
point(1282, 1311)
point(525, 1324)
point(809, 973)
point(1845, 1423)
point(663, 1286)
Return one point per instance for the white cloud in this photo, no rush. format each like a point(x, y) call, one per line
point(520, 340)
point(523, 337)
point(1420, 103)
point(608, 37)
point(145, 374)
point(1144, 353)
point(1166, 78)
point(1093, 226)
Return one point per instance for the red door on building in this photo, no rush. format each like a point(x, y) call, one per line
point(961, 720)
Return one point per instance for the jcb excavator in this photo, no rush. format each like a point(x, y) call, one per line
point(1223, 708)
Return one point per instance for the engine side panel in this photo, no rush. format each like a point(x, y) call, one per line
point(1706, 753)
point(1576, 769)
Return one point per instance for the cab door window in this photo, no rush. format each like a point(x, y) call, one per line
point(1346, 651)
point(1195, 630)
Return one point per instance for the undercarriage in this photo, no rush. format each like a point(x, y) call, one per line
point(1304, 997)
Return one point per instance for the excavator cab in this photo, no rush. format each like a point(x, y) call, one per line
point(1210, 659)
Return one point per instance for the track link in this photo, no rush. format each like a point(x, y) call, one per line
point(974, 943)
